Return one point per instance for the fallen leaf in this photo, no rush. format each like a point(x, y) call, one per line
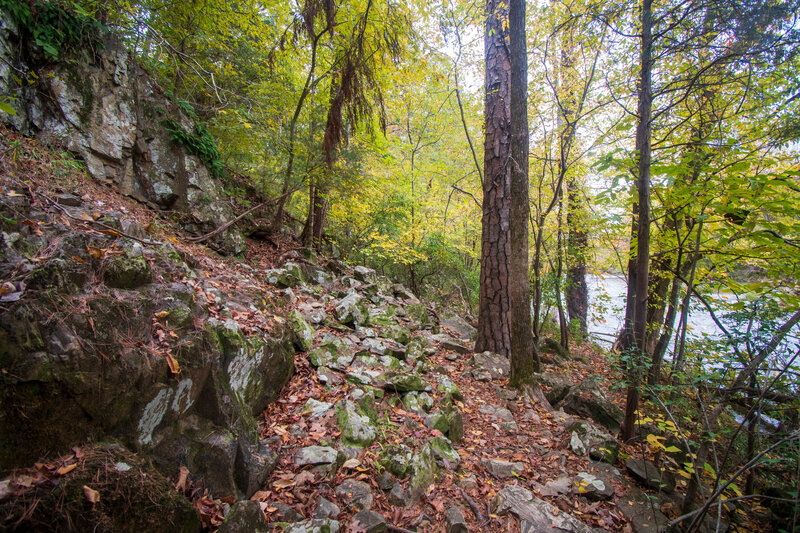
point(351, 463)
point(92, 495)
point(174, 367)
point(7, 288)
point(283, 483)
point(66, 469)
point(261, 495)
point(162, 314)
point(95, 253)
point(112, 232)
point(183, 474)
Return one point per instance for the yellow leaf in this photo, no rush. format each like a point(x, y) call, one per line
point(162, 314)
point(174, 367)
point(66, 469)
point(7, 288)
point(246, 125)
point(684, 473)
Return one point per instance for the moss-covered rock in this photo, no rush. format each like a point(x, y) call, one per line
point(402, 381)
point(423, 472)
point(357, 428)
point(303, 332)
point(331, 354)
point(127, 271)
point(397, 459)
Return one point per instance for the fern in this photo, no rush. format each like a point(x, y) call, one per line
point(200, 143)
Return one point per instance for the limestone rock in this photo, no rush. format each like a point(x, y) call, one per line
point(556, 386)
point(443, 452)
point(332, 354)
point(397, 459)
point(535, 514)
point(357, 428)
point(647, 473)
point(368, 522)
point(326, 509)
point(245, 517)
point(497, 366)
point(592, 486)
point(351, 310)
point(449, 421)
point(455, 521)
point(109, 111)
point(316, 525)
point(423, 472)
point(402, 382)
point(354, 495)
point(587, 400)
point(303, 332)
point(503, 469)
point(317, 455)
point(598, 443)
point(501, 415)
point(463, 329)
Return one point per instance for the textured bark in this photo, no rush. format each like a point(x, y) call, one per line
point(524, 358)
point(643, 148)
point(494, 301)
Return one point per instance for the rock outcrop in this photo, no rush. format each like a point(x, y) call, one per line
point(110, 337)
point(109, 111)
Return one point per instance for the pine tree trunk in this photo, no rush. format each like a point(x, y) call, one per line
point(494, 302)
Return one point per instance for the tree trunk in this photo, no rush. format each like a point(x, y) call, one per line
point(494, 301)
point(524, 358)
point(643, 134)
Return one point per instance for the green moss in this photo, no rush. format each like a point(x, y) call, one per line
point(127, 272)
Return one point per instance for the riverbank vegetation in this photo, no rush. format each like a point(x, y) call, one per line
point(662, 142)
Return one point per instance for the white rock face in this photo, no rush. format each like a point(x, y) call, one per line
point(111, 113)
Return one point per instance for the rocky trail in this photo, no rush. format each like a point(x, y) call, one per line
point(281, 391)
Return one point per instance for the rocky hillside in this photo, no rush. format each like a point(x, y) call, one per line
point(151, 384)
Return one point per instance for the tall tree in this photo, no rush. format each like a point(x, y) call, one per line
point(638, 270)
point(524, 358)
point(494, 333)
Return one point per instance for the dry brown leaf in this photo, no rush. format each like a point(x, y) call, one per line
point(261, 495)
point(283, 483)
point(112, 232)
point(95, 253)
point(92, 495)
point(162, 314)
point(183, 474)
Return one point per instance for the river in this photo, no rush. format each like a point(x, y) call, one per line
point(607, 294)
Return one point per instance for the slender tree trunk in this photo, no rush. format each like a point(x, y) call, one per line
point(287, 178)
point(563, 326)
point(494, 302)
point(643, 134)
point(577, 246)
point(524, 358)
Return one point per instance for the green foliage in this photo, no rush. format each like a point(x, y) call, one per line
point(56, 27)
point(200, 143)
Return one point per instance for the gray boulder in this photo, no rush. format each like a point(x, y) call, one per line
point(535, 514)
point(587, 400)
point(245, 517)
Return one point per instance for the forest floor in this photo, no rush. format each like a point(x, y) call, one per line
point(538, 442)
